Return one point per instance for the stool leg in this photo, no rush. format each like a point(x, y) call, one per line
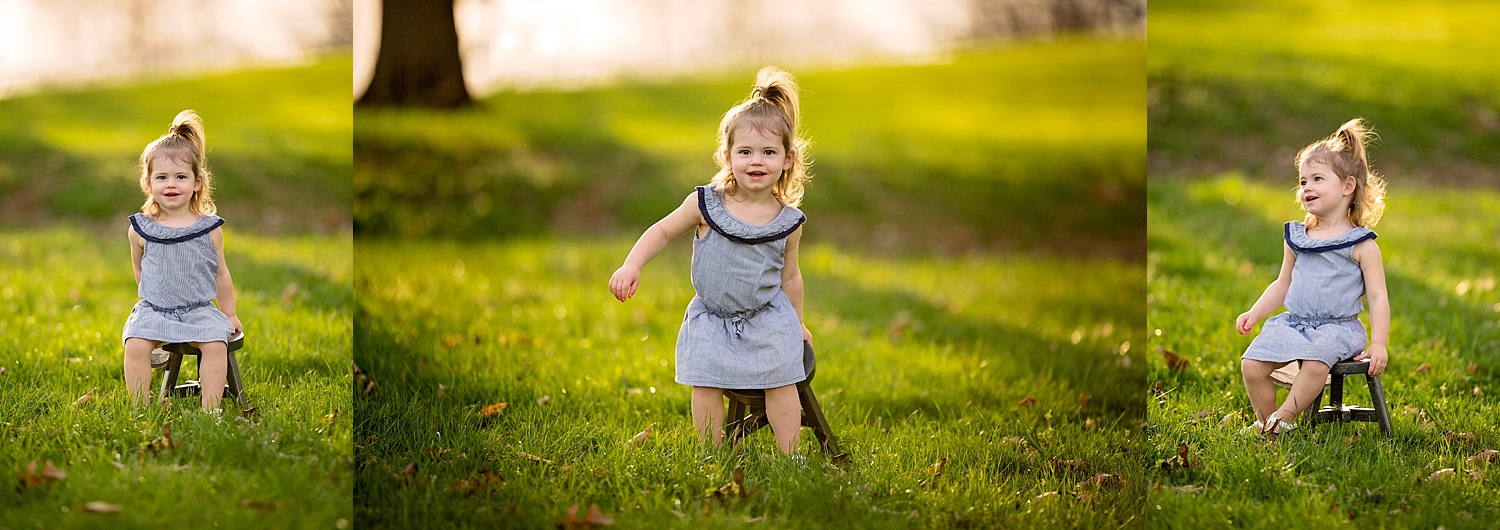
point(169, 379)
point(232, 382)
point(732, 421)
point(811, 408)
point(1377, 396)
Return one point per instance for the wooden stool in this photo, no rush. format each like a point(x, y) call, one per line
point(747, 409)
point(234, 387)
point(1337, 411)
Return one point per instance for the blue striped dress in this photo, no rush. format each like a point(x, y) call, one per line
point(1323, 302)
point(179, 269)
point(740, 331)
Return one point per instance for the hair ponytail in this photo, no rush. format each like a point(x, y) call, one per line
point(1345, 152)
point(773, 107)
point(183, 142)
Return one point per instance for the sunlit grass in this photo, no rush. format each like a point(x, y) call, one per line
point(1214, 245)
point(1237, 84)
point(1025, 379)
point(64, 295)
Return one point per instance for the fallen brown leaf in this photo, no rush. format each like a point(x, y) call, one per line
point(1467, 437)
point(1076, 464)
point(491, 410)
point(1351, 438)
point(1101, 480)
point(1478, 392)
point(937, 468)
point(1201, 414)
point(100, 507)
point(85, 398)
point(1472, 369)
point(1441, 473)
point(1027, 401)
point(1424, 368)
point(1175, 363)
point(1487, 455)
point(1083, 400)
point(262, 505)
point(31, 478)
point(592, 519)
point(452, 341)
point(328, 418)
point(410, 473)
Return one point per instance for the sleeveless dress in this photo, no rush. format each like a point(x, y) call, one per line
point(1323, 302)
point(178, 271)
point(740, 331)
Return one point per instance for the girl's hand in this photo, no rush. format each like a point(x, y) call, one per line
point(806, 335)
point(1245, 323)
point(622, 284)
point(234, 325)
point(1377, 356)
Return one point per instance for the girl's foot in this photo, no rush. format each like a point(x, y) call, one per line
point(1274, 426)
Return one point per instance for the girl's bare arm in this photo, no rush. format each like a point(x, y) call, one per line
point(685, 218)
point(1273, 297)
point(791, 279)
point(225, 283)
point(1367, 253)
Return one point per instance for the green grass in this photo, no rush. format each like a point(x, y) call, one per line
point(1213, 247)
point(64, 295)
point(1234, 91)
point(278, 143)
point(920, 359)
point(1242, 85)
point(1034, 147)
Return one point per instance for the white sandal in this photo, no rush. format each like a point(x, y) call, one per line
point(1274, 426)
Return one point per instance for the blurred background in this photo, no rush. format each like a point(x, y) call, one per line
point(946, 126)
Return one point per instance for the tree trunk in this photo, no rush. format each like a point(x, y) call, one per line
point(418, 64)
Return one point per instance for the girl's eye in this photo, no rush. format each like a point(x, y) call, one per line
point(770, 152)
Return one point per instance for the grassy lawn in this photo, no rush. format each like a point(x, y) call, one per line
point(1034, 147)
point(1213, 248)
point(973, 261)
point(67, 181)
point(1237, 85)
point(64, 295)
point(973, 391)
point(1234, 91)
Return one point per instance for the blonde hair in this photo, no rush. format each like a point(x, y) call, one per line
point(772, 108)
point(184, 143)
point(1344, 151)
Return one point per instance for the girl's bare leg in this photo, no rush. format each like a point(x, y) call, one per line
point(1259, 387)
point(1309, 382)
point(211, 372)
point(138, 369)
point(708, 414)
point(784, 411)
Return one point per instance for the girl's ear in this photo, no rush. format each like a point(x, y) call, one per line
point(1349, 185)
point(197, 183)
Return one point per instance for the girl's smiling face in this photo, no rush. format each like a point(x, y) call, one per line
point(757, 158)
point(172, 182)
point(1322, 192)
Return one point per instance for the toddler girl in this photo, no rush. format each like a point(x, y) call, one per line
point(744, 329)
point(1329, 261)
point(177, 250)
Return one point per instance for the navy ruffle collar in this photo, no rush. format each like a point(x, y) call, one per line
point(1296, 237)
point(721, 221)
point(158, 233)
